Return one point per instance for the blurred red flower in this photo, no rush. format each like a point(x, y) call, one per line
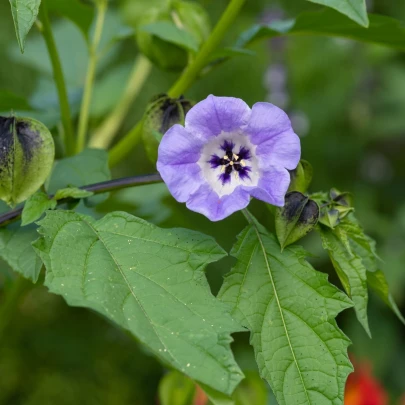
point(362, 387)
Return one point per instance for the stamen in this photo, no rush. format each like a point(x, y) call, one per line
point(236, 157)
point(225, 157)
point(231, 162)
point(242, 163)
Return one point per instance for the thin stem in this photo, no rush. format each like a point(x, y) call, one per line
point(104, 135)
point(10, 303)
point(90, 75)
point(190, 74)
point(96, 188)
point(46, 31)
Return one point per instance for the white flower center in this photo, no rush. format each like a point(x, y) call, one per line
point(228, 161)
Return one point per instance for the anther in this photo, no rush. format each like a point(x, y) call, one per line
point(235, 157)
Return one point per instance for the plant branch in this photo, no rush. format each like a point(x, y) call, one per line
point(190, 74)
point(106, 132)
point(46, 31)
point(97, 188)
point(90, 75)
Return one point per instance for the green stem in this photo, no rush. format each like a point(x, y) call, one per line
point(97, 188)
point(190, 74)
point(193, 70)
point(104, 135)
point(90, 75)
point(46, 31)
point(11, 301)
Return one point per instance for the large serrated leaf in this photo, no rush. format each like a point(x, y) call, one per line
point(149, 281)
point(24, 13)
point(350, 269)
point(289, 309)
point(354, 9)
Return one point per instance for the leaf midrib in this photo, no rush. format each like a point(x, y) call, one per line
point(279, 305)
point(131, 291)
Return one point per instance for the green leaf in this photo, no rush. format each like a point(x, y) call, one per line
point(17, 251)
point(79, 13)
point(354, 9)
point(149, 281)
point(169, 32)
point(176, 389)
point(72, 192)
point(296, 219)
point(12, 102)
point(378, 283)
point(229, 52)
point(363, 246)
point(382, 30)
point(88, 167)
point(35, 206)
point(289, 309)
point(24, 13)
point(350, 269)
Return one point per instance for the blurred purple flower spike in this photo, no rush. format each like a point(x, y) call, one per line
point(226, 153)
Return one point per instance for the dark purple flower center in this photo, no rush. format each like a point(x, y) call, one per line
point(231, 162)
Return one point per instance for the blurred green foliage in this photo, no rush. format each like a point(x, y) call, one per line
point(347, 103)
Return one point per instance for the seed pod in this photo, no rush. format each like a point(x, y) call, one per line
point(26, 156)
point(297, 218)
point(161, 114)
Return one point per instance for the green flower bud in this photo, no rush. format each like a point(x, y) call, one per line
point(161, 114)
point(26, 157)
point(297, 218)
point(301, 177)
point(189, 17)
point(330, 218)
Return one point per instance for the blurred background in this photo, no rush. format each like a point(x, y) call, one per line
point(346, 101)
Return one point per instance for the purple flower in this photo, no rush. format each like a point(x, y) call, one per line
point(226, 153)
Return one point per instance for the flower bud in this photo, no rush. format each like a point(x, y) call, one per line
point(161, 114)
point(297, 218)
point(189, 17)
point(26, 157)
point(301, 177)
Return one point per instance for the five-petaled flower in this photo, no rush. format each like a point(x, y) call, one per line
point(226, 153)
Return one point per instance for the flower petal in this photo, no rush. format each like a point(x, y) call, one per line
point(178, 155)
point(273, 186)
point(207, 202)
point(270, 128)
point(214, 115)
